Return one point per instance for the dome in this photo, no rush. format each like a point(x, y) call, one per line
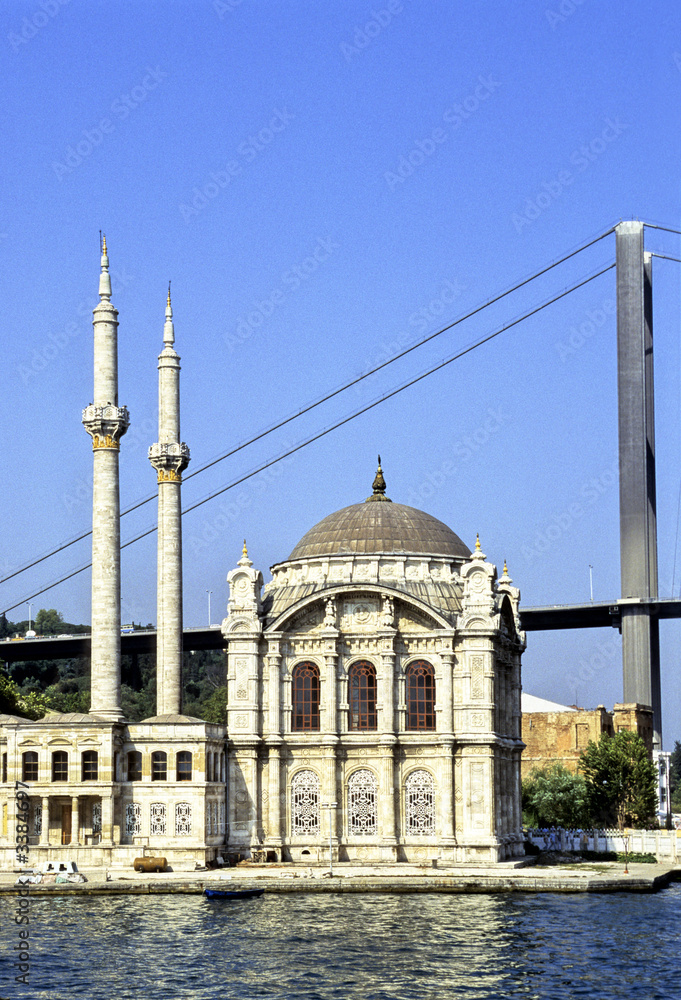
point(385, 527)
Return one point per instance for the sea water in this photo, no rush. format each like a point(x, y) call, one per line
point(341, 947)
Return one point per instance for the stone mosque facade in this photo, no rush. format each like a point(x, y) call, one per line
point(373, 690)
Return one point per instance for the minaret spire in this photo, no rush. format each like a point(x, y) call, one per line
point(106, 422)
point(170, 458)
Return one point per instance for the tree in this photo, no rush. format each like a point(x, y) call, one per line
point(621, 780)
point(49, 622)
point(675, 775)
point(554, 796)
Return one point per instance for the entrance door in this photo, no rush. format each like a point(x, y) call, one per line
point(66, 824)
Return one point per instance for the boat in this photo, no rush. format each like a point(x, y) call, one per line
point(233, 893)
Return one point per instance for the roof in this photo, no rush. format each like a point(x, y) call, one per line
point(529, 703)
point(175, 720)
point(379, 528)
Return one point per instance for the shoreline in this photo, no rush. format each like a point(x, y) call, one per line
point(607, 877)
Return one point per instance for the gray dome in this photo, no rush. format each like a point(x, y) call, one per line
point(372, 528)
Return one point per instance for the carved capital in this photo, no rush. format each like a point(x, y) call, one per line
point(170, 460)
point(106, 425)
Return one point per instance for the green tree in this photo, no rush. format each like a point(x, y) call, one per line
point(554, 796)
point(675, 775)
point(12, 702)
point(621, 780)
point(49, 622)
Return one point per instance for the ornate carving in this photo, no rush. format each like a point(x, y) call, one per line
point(419, 794)
point(170, 460)
point(106, 425)
point(305, 804)
point(362, 795)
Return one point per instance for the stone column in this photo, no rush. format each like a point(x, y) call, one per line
point(446, 795)
point(274, 792)
point(386, 799)
point(445, 696)
point(386, 685)
point(107, 819)
point(330, 793)
point(274, 710)
point(330, 691)
point(75, 831)
point(45, 833)
point(106, 423)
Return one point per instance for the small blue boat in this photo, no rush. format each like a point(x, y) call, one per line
point(233, 893)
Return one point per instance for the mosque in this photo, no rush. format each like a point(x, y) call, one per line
point(373, 689)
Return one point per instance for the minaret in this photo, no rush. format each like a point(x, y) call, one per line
point(106, 422)
point(170, 458)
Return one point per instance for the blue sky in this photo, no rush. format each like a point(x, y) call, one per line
point(325, 184)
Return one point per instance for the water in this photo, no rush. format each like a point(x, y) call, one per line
point(346, 947)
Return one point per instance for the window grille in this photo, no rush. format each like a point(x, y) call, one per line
point(305, 804)
point(157, 811)
point(420, 696)
point(209, 819)
point(38, 820)
point(221, 820)
point(134, 765)
point(362, 796)
point(362, 695)
point(60, 766)
point(183, 819)
point(89, 765)
point(133, 818)
point(159, 766)
point(97, 817)
point(29, 766)
point(420, 812)
point(305, 697)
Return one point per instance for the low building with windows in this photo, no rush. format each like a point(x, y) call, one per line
point(374, 695)
point(103, 793)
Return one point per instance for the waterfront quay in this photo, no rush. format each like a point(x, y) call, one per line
point(511, 877)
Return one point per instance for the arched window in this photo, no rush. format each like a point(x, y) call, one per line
point(60, 766)
point(184, 766)
point(419, 808)
point(362, 695)
point(305, 697)
point(29, 766)
point(305, 804)
point(362, 795)
point(134, 765)
point(183, 819)
point(420, 695)
point(89, 765)
point(157, 821)
point(159, 765)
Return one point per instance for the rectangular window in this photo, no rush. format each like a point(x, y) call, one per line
point(159, 766)
point(29, 766)
point(89, 766)
point(60, 766)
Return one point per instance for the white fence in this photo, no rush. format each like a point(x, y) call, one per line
point(664, 844)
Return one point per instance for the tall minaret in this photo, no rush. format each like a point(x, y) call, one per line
point(170, 457)
point(106, 422)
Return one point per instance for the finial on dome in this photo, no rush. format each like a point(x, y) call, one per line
point(169, 328)
point(478, 547)
point(378, 486)
point(244, 551)
point(505, 568)
point(245, 561)
point(104, 276)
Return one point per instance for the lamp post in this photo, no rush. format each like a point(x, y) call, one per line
point(209, 592)
point(30, 609)
point(330, 806)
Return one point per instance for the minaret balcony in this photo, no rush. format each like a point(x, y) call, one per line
point(106, 425)
point(169, 459)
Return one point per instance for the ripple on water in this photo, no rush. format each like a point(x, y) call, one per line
point(346, 947)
